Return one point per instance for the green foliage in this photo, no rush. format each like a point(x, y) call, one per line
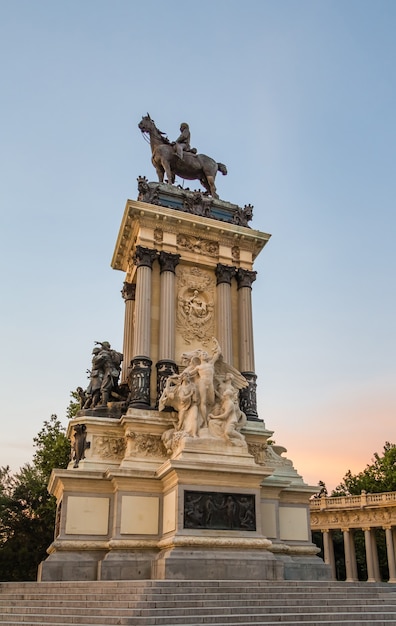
point(74, 405)
point(378, 477)
point(27, 511)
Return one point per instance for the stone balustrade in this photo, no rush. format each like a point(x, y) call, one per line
point(366, 512)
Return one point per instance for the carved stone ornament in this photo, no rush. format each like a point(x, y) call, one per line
point(235, 253)
point(206, 398)
point(366, 518)
point(144, 444)
point(147, 193)
point(194, 202)
point(224, 273)
point(79, 443)
point(197, 245)
point(128, 291)
point(264, 454)
point(245, 278)
point(258, 452)
point(195, 304)
point(158, 235)
point(144, 256)
point(168, 261)
point(219, 511)
point(109, 447)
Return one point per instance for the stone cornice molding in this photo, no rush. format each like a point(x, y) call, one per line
point(139, 216)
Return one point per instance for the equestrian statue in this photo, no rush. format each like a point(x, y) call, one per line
point(178, 159)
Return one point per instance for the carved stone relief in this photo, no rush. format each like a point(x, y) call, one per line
point(109, 447)
point(144, 444)
point(158, 235)
point(195, 304)
point(220, 511)
point(198, 245)
point(367, 518)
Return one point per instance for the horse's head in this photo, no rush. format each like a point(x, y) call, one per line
point(147, 124)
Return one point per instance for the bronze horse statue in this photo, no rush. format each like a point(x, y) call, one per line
point(191, 167)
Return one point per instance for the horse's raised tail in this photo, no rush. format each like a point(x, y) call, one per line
point(222, 168)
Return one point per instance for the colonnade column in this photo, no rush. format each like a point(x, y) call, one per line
point(128, 293)
point(139, 379)
point(224, 274)
point(166, 365)
point(248, 400)
point(328, 552)
point(390, 550)
point(374, 548)
point(371, 578)
point(350, 556)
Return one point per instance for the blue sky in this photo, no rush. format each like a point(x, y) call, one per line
point(297, 98)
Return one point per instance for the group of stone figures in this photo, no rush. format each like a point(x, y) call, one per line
point(103, 375)
point(206, 396)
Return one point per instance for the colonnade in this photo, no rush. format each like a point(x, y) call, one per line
point(348, 514)
point(137, 343)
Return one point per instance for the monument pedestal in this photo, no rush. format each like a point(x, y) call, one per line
point(195, 492)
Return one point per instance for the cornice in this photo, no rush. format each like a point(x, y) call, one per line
point(138, 215)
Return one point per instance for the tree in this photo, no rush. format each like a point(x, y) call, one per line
point(378, 477)
point(27, 511)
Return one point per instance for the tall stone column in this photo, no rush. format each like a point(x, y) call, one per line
point(224, 274)
point(128, 293)
point(390, 550)
point(328, 549)
point(350, 556)
point(166, 365)
point(375, 556)
point(139, 379)
point(369, 556)
point(248, 399)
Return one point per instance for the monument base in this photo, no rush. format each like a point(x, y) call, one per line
point(207, 510)
point(221, 564)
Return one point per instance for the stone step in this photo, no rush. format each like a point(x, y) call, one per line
point(174, 609)
point(15, 601)
point(193, 603)
point(376, 618)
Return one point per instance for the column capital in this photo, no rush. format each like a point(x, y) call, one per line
point(128, 291)
point(224, 273)
point(168, 261)
point(245, 278)
point(144, 257)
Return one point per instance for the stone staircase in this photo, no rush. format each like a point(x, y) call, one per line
point(193, 602)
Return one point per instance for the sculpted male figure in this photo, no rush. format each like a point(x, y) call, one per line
point(111, 363)
point(183, 141)
point(95, 383)
point(202, 372)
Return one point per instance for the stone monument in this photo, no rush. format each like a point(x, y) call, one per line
point(172, 473)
